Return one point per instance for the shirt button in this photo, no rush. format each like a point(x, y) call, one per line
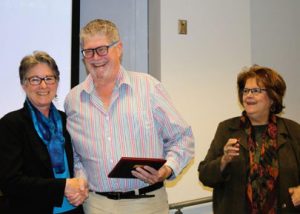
point(108, 138)
point(107, 118)
point(283, 205)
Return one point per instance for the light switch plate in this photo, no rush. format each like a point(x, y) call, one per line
point(182, 26)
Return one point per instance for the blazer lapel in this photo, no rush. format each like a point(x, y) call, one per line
point(238, 133)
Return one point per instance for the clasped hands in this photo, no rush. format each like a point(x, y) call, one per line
point(76, 190)
point(150, 175)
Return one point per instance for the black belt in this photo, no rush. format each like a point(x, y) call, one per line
point(140, 193)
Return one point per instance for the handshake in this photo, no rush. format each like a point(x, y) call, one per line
point(76, 190)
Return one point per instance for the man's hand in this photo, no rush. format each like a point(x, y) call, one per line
point(150, 175)
point(76, 190)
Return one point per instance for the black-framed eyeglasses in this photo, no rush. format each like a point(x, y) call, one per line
point(254, 91)
point(101, 50)
point(35, 80)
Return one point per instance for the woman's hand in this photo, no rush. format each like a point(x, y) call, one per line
point(231, 149)
point(295, 195)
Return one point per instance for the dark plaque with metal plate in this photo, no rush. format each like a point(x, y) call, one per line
point(126, 164)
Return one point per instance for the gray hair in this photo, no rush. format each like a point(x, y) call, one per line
point(101, 27)
point(34, 59)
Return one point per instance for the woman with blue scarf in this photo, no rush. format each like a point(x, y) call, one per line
point(36, 157)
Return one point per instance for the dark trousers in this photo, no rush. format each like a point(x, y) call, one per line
point(3, 205)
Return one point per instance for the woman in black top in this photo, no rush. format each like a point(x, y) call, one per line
point(36, 158)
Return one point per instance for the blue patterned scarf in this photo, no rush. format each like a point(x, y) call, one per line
point(51, 132)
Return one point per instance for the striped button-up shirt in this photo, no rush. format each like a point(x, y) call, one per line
point(140, 121)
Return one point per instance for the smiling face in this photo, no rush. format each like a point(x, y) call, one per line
point(103, 69)
point(40, 95)
point(257, 106)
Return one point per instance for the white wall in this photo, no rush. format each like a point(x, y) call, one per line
point(199, 71)
point(275, 36)
point(27, 26)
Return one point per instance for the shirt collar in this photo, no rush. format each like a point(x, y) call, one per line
point(88, 84)
point(122, 79)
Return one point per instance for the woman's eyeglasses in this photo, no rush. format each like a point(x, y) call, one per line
point(35, 80)
point(254, 91)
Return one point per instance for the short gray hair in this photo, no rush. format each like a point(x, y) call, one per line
point(101, 27)
point(34, 59)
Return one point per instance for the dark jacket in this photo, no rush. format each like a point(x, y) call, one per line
point(26, 176)
point(229, 187)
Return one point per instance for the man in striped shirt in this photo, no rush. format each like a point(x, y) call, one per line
point(115, 113)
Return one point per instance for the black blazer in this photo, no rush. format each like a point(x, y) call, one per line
point(26, 176)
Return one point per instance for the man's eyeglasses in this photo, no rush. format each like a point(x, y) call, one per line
point(254, 91)
point(101, 50)
point(35, 80)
